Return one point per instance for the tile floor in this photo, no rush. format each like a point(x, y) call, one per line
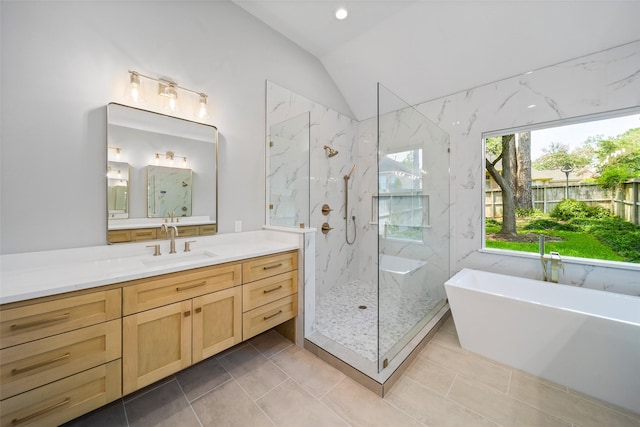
point(270, 382)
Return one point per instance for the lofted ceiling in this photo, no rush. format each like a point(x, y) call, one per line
point(425, 49)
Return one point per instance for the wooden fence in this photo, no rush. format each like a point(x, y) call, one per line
point(623, 202)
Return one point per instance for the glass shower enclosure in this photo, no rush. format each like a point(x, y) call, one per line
point(412, 211)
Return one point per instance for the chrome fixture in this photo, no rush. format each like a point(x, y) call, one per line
point(330, 151)
point(326, 228)
point(170, 231)
point(347, 177)
point(326, 209)
point(553, 259)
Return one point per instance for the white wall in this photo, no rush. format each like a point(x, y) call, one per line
point(63, 61)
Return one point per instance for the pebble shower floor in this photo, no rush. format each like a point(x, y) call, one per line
point(340, 318)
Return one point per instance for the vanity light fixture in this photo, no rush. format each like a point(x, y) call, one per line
point(117, 151)
point(166, 89)
point(169, 157)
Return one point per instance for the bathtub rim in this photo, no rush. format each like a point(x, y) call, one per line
point(454, 281)
point(616, 265)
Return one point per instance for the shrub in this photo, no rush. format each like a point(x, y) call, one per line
point(528, 213)
point(570, 209)
point(547, 224)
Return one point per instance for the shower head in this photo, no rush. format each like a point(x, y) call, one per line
point(348, 176)
point(331, 152)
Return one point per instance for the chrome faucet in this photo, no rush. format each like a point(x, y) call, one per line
point(170, 231)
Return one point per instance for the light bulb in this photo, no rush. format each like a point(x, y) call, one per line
point(172, 103)
point(202, 111)
point(157, 159)
point(118, 153)
point(134, 80)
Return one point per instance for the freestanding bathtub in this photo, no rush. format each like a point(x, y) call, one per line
point(584, 339)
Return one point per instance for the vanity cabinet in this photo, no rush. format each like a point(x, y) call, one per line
point(143, 234)
point(269, 292)
point(63, 356)
point(177, 319)
point(56, 356)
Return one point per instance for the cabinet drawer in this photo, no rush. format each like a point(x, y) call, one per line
point(169, 288)
point(119, 236)
point(259, 268)
point(27, 366)
point(188, 230)
point(267, 290)
point(270, 315)
point(208, 229)
point(142, 234)
point(32, 322)
point(64, 400)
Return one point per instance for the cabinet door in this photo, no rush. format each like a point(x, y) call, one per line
point(217, 322)
point(156, 343)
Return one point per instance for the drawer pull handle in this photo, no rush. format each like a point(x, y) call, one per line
point(59, 318)
point(266, 291)
point(16, 421)
point(198, 310)
point(17, 371)
point(269, 267)
point(187, 313)
point(272, 315)
point(195, 285)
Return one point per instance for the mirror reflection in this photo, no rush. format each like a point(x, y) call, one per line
point(118, 189)
point(159, 167)
point(169, 192)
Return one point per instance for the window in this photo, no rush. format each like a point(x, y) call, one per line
point(577, 183)
point(402, 208)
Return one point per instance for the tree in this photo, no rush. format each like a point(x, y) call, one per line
point(523, 172)
point(618, 158)
point(505, 180)
point(557, 155)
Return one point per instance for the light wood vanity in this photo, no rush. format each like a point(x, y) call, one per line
point(144, 234)
point(65, 355)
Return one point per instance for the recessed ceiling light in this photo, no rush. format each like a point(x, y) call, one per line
point(341, 13)
point(531, 106)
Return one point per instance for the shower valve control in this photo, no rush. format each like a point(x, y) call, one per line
point(326, 209)
point(326, 228)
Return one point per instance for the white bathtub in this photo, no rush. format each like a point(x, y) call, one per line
point(409, 275)
point(584, 339)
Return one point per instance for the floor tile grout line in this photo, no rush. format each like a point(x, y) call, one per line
point(195, 414)
point(153, 386)
point(333, 387)
point(211, 390)
point(321, 402)
point(255, 401)
point(448, 400)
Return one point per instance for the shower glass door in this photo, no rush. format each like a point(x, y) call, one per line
point(413, 222)
point(288, 172)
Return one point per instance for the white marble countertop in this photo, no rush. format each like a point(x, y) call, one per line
point(38, 274)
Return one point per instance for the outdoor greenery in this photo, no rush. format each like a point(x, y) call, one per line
point(574, 229)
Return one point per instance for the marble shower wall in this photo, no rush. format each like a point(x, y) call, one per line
point(336, 261)
point(604, 81)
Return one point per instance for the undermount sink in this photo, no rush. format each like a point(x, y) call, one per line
point(179, 258)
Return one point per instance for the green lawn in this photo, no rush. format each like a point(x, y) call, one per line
point(580, 244)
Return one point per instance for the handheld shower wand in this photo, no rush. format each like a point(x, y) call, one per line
point(347, 177)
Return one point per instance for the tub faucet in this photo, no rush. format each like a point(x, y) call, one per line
point(170, 231)
point(556, 264)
